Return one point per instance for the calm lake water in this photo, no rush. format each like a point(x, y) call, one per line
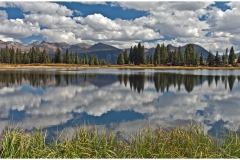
point(119, 99)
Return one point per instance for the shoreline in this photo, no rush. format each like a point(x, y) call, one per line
point(74, 66)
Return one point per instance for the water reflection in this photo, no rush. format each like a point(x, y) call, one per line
point(123, 101)
point(162, 81)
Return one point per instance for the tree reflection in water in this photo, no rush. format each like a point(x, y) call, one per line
point(162, 81)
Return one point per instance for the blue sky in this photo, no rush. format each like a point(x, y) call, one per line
point(213, 25)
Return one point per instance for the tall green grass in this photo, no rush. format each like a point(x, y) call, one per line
point(181, 142)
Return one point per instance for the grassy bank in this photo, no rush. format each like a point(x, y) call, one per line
point(187, 142)
point(75, 66)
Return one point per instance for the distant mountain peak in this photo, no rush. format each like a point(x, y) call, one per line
point(103, 46)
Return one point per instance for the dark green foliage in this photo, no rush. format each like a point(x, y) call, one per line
point(76, 59)
point(196, 60)
point(135, 55)
point(131, 55)
point(225, 58)
point(149, 59)
point(93, 60)
point(239, 59)
point(44, 57)
point(85, 59)
point(169, 55)
point(142, 57)
point(120, 59)
point(181, 60)
point(201, 59)
point(138, 54)
point(126, 58)
point(163, 55)
point(7, 55)
point(58, 56)
point(175, 61)
point(157, 55)
point(210, 59)
point(66, 57)
point(103, 62)
point(18, 59)
point(13, 56)
point(217, 59)
point(232, 57)
point(72, 58)
point(189, 54)
point(26, 58)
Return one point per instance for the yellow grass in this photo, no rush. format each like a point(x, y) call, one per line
point(62, 65)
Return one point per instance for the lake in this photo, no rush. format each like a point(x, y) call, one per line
point(121, 100)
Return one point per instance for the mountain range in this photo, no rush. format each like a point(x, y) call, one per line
point(103, 51)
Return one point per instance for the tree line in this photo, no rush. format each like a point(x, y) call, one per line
point(163, 55)
point(34, 55)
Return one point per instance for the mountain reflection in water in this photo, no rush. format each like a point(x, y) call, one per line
point(123, 101)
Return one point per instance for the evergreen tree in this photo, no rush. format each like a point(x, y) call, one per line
point(196, 59)
point(142, 58)
point(239, 59)
point(7, 55)
point(58, 56)
point(96, 61)
point(34, 54)
point(85, 59)
point(67, 57)
point(71, 58)
point(120, 59)
point(226, 57)
point(156, 58)
point(26, 58)
point(1, 55)
point(189, 54)
point(217, 59)
point(31, 55)
point(232, 57)
point(126, 58)
point(138, 54)
point(223, 58)
point(37, 55)
point(18, 61)
point(181, 60)
point(169, 55)
point(163, 54)
point(131, 56)
point(44, 56)
point(103, 62)
point(201, 59)
point(135, 55)
point(76, 61)
point(148, 59)
point(210, 59)
point(13, 56)
point(175, 58)
point(151, 59)
point(91, 60)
